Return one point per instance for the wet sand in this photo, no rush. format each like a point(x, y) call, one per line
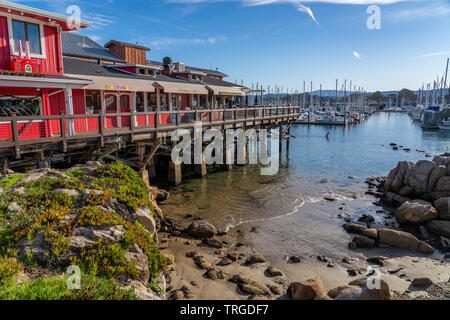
point(318, 233)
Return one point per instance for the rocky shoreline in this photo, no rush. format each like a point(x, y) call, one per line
point(201, 262)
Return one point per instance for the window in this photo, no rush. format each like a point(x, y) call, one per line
point(111, 103)
point(151, 101)
point(174, 102)
point(140, 102)
point(22, 106)
point(93, 102)
point(26, 31)
point(124, 99)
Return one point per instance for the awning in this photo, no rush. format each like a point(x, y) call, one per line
point(119, 84)
point(179, 87)
point(226, 91)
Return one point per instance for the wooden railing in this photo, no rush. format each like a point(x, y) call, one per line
point(68, 128)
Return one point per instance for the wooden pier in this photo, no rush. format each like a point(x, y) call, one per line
point(134, 144)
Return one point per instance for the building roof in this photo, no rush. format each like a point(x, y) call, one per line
point(189, 68)
point(77, 45)
point(19, 9)
point(137, 46)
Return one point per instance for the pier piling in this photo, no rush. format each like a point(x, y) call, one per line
point(174, 175)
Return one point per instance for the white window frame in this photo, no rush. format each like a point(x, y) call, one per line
point(13, 52)
point(41, 111)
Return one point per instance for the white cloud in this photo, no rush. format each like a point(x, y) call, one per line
point(439, 10)
point(168, 42)
point(433, 54)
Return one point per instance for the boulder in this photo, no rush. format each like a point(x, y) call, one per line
point(437, 174)
point(370, 233)
point(85, 236)
point(362, 289)
point(311, 289)
point(38, 247)
point(14, 207)
point(361, 241)
point(395, 199)
point(415, 212)
point(273, 271)
point(202, 229)
point(246, 284)
point(68, 192)
point(443, 184)
point(202, 263)
point(422, 282)
point(417, 177)
point(395, 179)
point(224, 262)
point(213, 243)
point(404, 240)
point(255, 258)
point(354, 228)
point(439, 227)
point(144, 216)
point(442, 206)
point(161, 195)
point(215, 274)
point(136, 256)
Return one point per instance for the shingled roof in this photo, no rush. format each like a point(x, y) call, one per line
point(77, 45)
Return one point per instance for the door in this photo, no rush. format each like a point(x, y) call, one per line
point(111, 107)
point(125, 108)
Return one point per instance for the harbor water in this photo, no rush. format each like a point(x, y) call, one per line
point(289, 208)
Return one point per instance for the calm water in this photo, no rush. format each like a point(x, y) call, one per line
point(229, 199)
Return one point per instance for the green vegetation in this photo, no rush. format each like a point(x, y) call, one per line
point(55, 288)
point(9, 181)
point(57, 215)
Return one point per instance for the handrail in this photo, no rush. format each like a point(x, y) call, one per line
point(222, 117)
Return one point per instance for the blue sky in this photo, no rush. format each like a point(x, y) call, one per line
point(282, 42)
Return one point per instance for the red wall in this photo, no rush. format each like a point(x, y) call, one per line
point(51, 65)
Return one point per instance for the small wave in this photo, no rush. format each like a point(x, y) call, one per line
point(300, 204)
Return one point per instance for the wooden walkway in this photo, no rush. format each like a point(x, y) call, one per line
point(60, 129)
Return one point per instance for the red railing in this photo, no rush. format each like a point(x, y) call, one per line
point(17, 131)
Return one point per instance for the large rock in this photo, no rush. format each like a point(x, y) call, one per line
point(141, 263)
point(311, 289)
point(14, 207)
point(439, 227)
point(255, 258)
point(68, 192)
point(437, 173)
point(443, 208)
point(85, 236)
point(395, 199)
point(404, 240)
point(354, 228)
point(415, 212)
point(38, 247)
point(361, 241)
point(395, 179)
point(144, 216)
point(417, 177)
point(362, 289)
point(202, 229)
point(443, 184)
point(246, 284)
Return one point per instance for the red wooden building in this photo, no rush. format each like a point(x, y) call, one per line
point(69, 73)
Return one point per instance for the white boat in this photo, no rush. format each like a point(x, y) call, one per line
point(444, 125)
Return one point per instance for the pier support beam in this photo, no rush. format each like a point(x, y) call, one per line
point(200, 169)
point(42, 164)
point(144, 176)
point(288, 138)
point(228, 159)
point(174, 176)
point(152, 169)
point(280, 138)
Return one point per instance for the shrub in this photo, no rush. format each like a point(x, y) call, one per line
point(9, 268)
